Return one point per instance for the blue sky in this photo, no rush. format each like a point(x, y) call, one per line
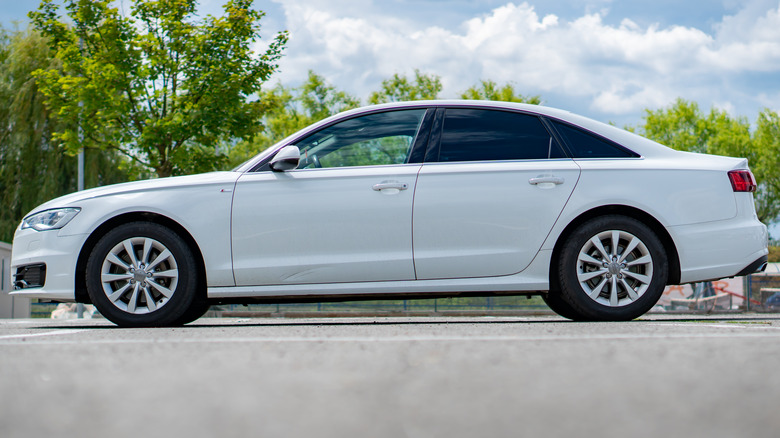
point(605, 59)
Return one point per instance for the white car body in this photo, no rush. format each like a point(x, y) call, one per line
point(456, 227)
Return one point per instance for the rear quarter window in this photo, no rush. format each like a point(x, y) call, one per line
point(583, 144)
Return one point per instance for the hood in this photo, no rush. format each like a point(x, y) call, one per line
point(71, 200)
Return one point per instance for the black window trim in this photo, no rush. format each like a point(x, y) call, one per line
point(432, 153)
point(416, 155)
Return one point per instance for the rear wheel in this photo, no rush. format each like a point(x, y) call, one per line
point(558, 305)
point(612, 268)
point(142, 274)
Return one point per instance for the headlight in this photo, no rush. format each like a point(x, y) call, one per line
point(50, 219)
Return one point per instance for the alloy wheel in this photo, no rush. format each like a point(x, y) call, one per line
point(614, 268)
point(139, 275)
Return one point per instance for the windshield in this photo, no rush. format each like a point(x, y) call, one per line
point(259, 157)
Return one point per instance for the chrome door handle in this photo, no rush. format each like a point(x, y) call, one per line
point(546, 179)
point(390, 185)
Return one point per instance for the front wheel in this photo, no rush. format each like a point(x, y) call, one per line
point(142, 274)
point(612, 268)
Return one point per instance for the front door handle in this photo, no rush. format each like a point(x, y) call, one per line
point(546, 179)
point(390, 185)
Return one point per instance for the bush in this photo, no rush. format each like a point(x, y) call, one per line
point(774, 254)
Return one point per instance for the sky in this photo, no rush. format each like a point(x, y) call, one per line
point(606, 59)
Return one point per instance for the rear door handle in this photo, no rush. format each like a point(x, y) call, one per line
point(390, 185)
point(546, 179)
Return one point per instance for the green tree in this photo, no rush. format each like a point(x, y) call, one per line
point(766, 164)
point(489, 90)
point(288, 110)
point(684, 126)
point(160, 86)
point(33, 169)
point(400, 88)
point(681, 126)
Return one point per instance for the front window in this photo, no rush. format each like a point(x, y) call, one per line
point(375, 139)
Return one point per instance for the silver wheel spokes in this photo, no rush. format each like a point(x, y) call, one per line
point(139, 275)
point(614, 268)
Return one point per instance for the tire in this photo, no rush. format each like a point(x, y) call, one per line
point(142, 274)
point(612, 268)
point(558, 305)
point(197, 309)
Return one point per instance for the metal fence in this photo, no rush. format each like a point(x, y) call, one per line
point(763, 292)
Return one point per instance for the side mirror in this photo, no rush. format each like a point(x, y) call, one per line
point(286, 159)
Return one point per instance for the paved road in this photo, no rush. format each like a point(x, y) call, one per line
point(393, 377)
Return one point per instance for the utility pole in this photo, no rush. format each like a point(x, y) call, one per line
point(80, 186)
point(80, 182)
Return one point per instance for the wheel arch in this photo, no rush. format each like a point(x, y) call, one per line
point(138, 216)
point(668, 243)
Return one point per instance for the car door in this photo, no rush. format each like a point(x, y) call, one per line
point(490, 191)
point(343, 216)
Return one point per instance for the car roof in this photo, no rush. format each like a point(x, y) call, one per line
point(638, 144)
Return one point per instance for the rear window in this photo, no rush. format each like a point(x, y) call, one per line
point(487, 135)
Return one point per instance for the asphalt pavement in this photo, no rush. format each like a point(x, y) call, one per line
point(661, 376)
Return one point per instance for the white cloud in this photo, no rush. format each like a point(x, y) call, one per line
point(769, 100)
point(747, 41)
point(609, 69)
point(728, 107)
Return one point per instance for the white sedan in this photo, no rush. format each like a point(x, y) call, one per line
point(406, 200)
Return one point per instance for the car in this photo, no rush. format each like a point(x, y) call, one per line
point(406, 200)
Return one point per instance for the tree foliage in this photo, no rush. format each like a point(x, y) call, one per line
point(766, 164)
point(400, 88)
point(160, 86)
point(489, 90)
point(288, 110)
point(33, 168)
point(684, 126)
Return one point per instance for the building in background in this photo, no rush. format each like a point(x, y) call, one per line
point(10, 306)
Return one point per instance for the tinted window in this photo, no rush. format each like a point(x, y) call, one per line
point(481, 135)
point(375, 139)
point(585, 145)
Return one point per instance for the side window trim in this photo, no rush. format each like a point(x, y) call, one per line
point(432, 153)
point(422, 139)
point(557, 136)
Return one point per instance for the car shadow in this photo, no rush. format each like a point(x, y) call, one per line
point(207, 323)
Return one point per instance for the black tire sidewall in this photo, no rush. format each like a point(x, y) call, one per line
point(560, 306)
point(571, 290)
point(183, 295)
point(197, 309)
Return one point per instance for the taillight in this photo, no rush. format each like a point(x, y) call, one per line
point(742, 181)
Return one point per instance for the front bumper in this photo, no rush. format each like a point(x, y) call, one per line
point(58, 253)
